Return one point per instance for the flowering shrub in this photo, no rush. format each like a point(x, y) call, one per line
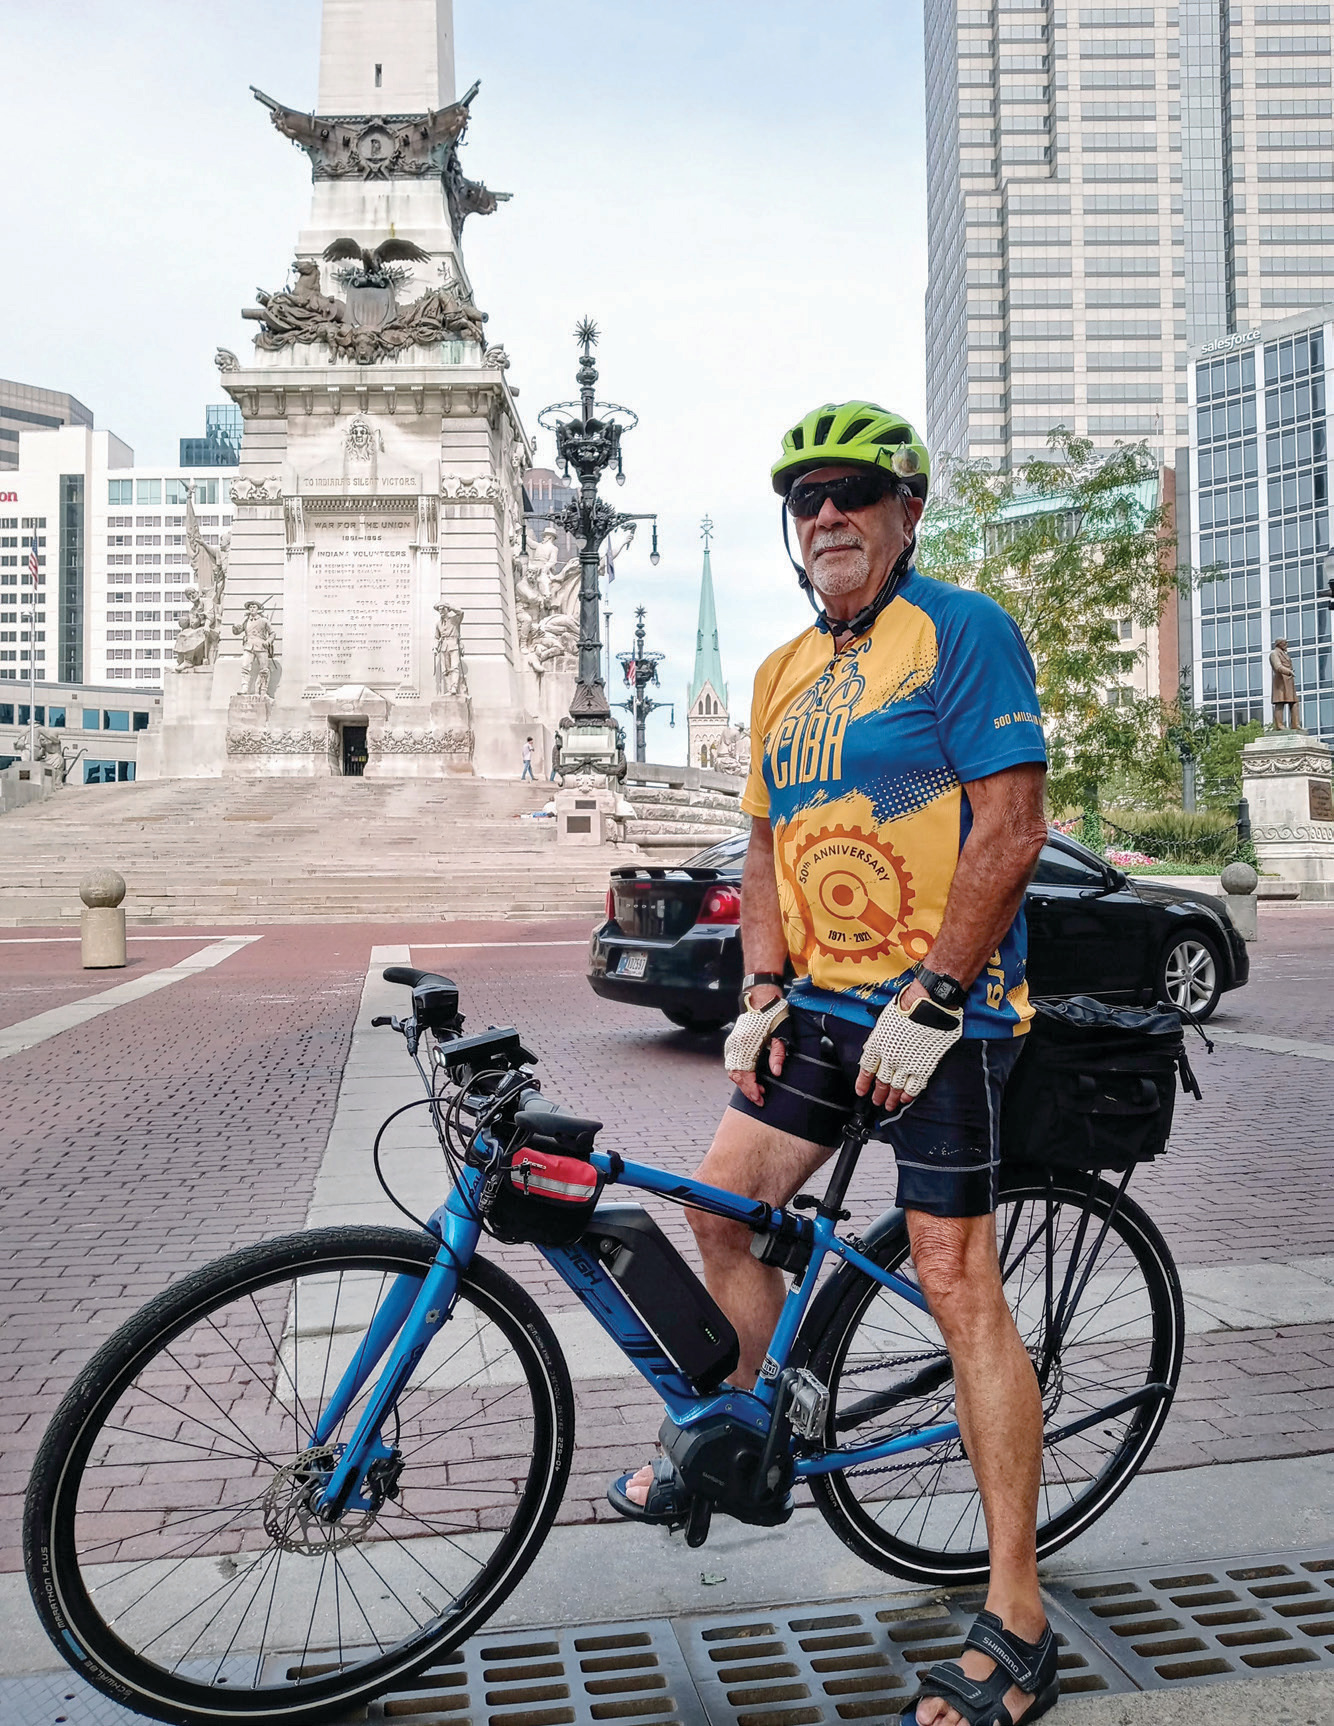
point(1129, 859)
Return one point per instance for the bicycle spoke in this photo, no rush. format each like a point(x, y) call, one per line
point(205, 1590)
point(1089, 1314)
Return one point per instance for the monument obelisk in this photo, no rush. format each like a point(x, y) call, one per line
point(366, 617)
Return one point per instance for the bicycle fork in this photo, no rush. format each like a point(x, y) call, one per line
point(405, 1322)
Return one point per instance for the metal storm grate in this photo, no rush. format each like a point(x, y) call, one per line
point(59, 1699)
point(571, 1677)
point(1188, 1626)
point(857, 1660)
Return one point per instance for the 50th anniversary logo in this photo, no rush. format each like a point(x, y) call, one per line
point(847, 893)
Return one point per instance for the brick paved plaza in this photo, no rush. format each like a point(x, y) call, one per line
point(193, 1120)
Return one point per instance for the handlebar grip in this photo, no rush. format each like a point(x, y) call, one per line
point(383, 1019)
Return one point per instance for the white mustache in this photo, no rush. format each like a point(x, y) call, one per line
point(835, 542)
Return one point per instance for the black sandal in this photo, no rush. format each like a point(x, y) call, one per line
point(1029, 1666)
point(667, 1502)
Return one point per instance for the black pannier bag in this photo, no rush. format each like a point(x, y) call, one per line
point(544, 1188)
point(1095, 1085)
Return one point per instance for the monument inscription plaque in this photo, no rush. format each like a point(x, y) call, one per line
point(360, 596)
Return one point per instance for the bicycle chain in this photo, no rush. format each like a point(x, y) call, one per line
point(893, 1360)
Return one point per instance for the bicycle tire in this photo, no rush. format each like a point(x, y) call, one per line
point(941, 1474)
point(65, 1548)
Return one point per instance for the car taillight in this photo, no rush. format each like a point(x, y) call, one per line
point(721, 905)
point(611, 904)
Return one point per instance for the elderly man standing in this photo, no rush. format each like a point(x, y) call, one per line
point(896, 804)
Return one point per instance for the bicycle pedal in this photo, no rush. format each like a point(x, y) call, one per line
point(697, 1522)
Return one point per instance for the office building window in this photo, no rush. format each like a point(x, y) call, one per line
point(149, 491)
point(120, 492)
point(107, 772)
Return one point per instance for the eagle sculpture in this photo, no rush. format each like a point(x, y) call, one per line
point(373, 273)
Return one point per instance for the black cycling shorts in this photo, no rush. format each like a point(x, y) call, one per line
point(946, 1141)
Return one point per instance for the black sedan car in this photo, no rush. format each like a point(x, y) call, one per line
point(671, 938)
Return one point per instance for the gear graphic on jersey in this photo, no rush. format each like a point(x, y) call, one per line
point(850, 892)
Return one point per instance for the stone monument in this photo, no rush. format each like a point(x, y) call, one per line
point(375, 577)
point(1286, 782)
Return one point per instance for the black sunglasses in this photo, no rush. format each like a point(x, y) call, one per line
point(850, 491)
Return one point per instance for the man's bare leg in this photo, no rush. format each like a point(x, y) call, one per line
point(1000, 1415)
point(758, 1162)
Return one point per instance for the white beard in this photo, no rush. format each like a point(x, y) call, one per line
point(833, 584)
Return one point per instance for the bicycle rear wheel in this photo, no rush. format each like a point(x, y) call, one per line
point(168, 1539)
point(1096, 1298)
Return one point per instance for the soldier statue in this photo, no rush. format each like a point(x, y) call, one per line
point(257, 648)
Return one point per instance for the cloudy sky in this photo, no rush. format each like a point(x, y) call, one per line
point(732, 188)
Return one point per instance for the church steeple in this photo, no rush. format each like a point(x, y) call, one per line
point(706, 703)
point(708, 660)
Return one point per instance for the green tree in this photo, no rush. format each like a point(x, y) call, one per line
point(1069, 543)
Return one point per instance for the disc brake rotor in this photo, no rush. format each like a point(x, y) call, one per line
point(290, 1520)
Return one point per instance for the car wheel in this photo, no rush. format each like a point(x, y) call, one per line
point(693, 1021)
point(1190, 973)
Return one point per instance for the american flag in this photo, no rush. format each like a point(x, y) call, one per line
point(33, 565)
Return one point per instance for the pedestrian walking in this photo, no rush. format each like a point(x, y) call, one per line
point(527, 760)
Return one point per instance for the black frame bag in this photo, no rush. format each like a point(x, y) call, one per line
point(1095, 1086)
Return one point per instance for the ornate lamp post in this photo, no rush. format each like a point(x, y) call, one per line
point(588, 439)
point(641, 673)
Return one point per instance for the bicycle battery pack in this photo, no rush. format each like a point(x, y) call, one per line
point(673, 1303)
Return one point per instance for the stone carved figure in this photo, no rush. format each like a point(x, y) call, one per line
point(555, 642)
point(362, 441)
point(303, 313)
point(1283, 693)
point(546, 603)
point(730, 753)
point(226, 361)
point(450, 677)
point(48, 752)
point(258, 647)
point(192, 642)
point(210, 569)
point(369, 325)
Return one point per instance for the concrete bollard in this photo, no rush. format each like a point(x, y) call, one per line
point(102, 920)
point(1239, 882)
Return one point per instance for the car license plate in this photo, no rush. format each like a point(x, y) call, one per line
point(632, 964)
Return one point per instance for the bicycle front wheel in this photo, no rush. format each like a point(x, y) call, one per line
point(1097, 1302)
point(170, 1545)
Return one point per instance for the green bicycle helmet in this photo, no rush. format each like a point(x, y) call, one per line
point(858, 432)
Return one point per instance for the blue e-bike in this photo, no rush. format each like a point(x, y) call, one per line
point(310, 1469)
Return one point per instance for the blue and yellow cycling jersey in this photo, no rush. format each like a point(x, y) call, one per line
point(861, 772)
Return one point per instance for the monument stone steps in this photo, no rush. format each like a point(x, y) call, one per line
point(232, 851)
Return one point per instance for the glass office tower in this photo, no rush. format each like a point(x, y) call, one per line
point(1260, 509)
point(1108, 186)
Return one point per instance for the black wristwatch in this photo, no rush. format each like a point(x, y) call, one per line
point(754, 979)
point(944, 991)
